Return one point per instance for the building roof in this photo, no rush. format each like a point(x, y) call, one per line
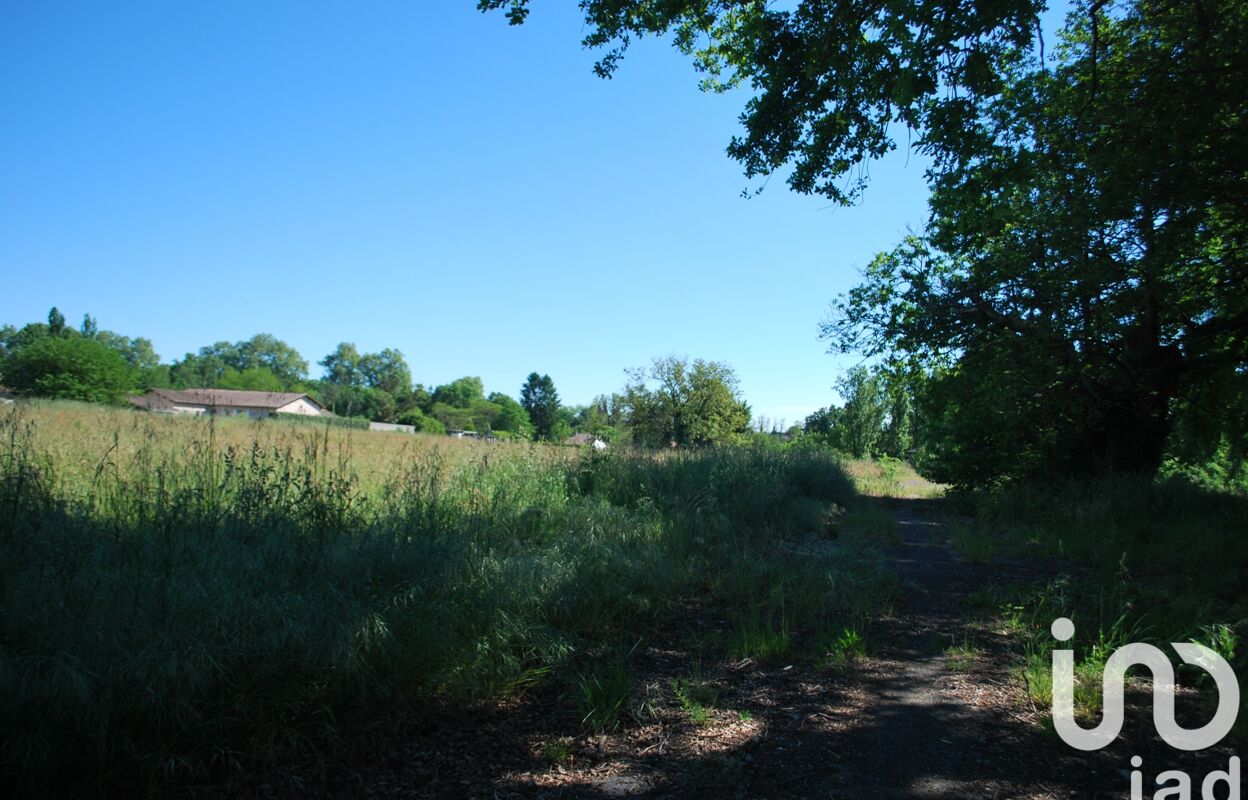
point(156, 399)
point(581, 438)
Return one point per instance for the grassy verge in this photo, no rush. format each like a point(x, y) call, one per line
point(1155, 561)
point(182, 601)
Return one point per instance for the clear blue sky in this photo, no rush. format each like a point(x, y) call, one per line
point(411, 175)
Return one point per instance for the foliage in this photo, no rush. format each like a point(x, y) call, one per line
point(69, 367)
point(207, 368)
point(138, 352)
point(342, 367)
point(685, 404)
point(831, 82)
point(77, 370)
point(511, 416)
point(256, 379)
point(1072, 289)
point(386, 371)
point(460, 393)
point(603, 694)
point(421, 421)
point(354, 423)
point(357, 401)
point(541, 401)
point(880, 415)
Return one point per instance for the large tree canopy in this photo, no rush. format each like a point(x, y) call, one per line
point(833, 82)
point(212, 365)
point(69, 367)
point(682, 403)
point(1082, 274)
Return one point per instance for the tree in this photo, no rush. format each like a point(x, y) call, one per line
point(56, 322)
point(829, 80)
point(207, 368)
point(460, 393)
point(1074, 284)
point(825, 424)
point(603, 417)
point(267, 351)
point(540, 399)
point(511, 417)
point(862, 418)
point(674, 402)
point(255, 379)
point(69, 367)
point(1087, 213)
point(138, 352)
point(387, 371)
point(342, 367)
point(421, 421)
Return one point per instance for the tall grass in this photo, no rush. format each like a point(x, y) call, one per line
point(183, 601)
point(1158, 561)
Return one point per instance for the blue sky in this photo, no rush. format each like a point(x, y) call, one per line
point(411, 175)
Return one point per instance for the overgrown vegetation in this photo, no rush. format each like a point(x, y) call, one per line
point(183, 601)
point(1156, 561)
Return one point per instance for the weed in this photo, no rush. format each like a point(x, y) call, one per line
point(963, 657)
point(762, 637)
point(695, 696)
point(187, 600)
point(602, 695)
point(848, 647)
point(556, 751)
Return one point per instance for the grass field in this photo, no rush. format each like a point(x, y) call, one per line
point(184, 601)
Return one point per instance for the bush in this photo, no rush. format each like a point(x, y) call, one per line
point(70, 368)
point(421, 421)
point(354, 423)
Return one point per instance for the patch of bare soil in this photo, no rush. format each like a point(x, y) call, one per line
point(902, 723)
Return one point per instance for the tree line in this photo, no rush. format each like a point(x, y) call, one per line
point(672, 402)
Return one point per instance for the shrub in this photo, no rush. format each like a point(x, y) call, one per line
point(70, 368)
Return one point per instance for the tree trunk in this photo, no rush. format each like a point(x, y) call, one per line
point(1135, 413)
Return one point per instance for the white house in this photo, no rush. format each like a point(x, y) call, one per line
point(228, 402)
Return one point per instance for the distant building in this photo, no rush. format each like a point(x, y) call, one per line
point(586, 439)
point(228, 402)
point(6, 396)
point(392, 427)
point(458, 434)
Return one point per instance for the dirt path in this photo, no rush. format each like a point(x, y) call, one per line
point(934, 732)
point(900, 724)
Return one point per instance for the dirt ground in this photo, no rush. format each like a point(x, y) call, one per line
point(900, 723)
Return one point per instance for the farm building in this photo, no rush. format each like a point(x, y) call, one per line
point(228, 402)
point(586, 439)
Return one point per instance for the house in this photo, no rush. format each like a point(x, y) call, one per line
point(458, 434)
point(7, 396)
point(228, 402)
point(586, 439)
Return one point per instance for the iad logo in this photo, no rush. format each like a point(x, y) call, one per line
point(1144, 655)
point(1175, 784)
